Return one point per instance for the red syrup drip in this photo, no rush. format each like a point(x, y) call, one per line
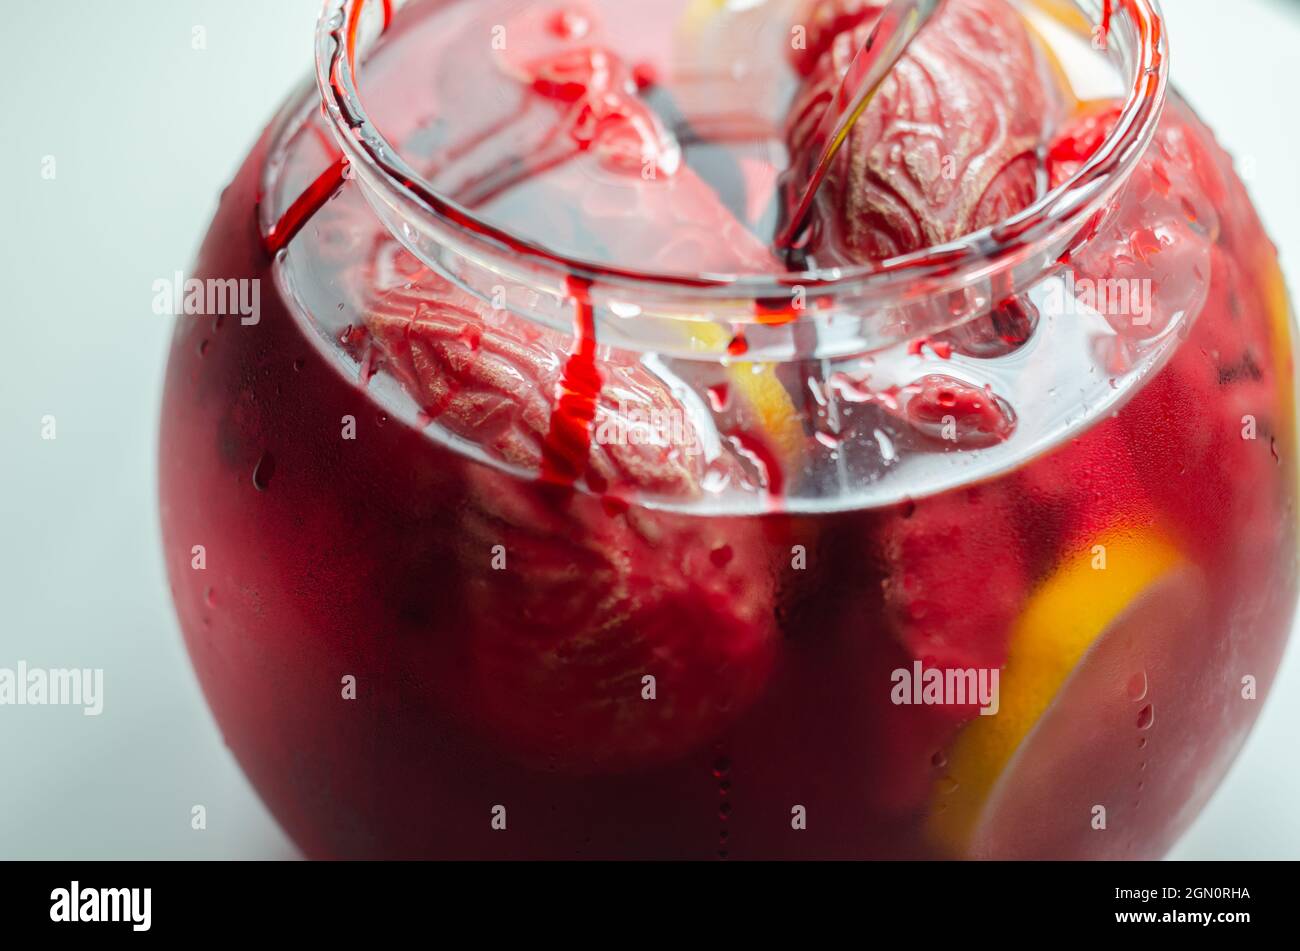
point(567, 446)
point(1105, 20)
point(305, 207)
point(328, 183)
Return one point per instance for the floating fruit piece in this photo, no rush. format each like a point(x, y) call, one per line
point(1081, 138)
point(671, 221)
point(483, 377)
point(821, 21)
point(588, 605)
point(950, 142)
point(572, 600)
point(677, 223)
point(1103, 619)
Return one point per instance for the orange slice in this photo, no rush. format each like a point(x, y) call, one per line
point(1019, 781)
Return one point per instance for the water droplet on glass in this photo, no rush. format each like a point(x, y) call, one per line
point(887, 451)
point(1146, 717)
point(263, 472)
point(1137, 686)
point(958, 413)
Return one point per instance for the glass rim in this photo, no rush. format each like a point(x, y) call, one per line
point(1138, 23)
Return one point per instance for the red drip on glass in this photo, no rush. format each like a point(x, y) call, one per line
point(305, 207)
point(568, 442)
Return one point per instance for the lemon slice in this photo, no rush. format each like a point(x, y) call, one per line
point(998, 789)
point(761, 389)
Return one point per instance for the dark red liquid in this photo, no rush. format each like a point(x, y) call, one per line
point(500, 628)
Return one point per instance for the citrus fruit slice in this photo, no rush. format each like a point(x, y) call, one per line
point(774, 415)
point(1088, 658)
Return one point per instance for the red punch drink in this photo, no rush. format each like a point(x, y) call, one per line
point(548, 506)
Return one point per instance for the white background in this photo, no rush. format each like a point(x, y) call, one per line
point(146, 131)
